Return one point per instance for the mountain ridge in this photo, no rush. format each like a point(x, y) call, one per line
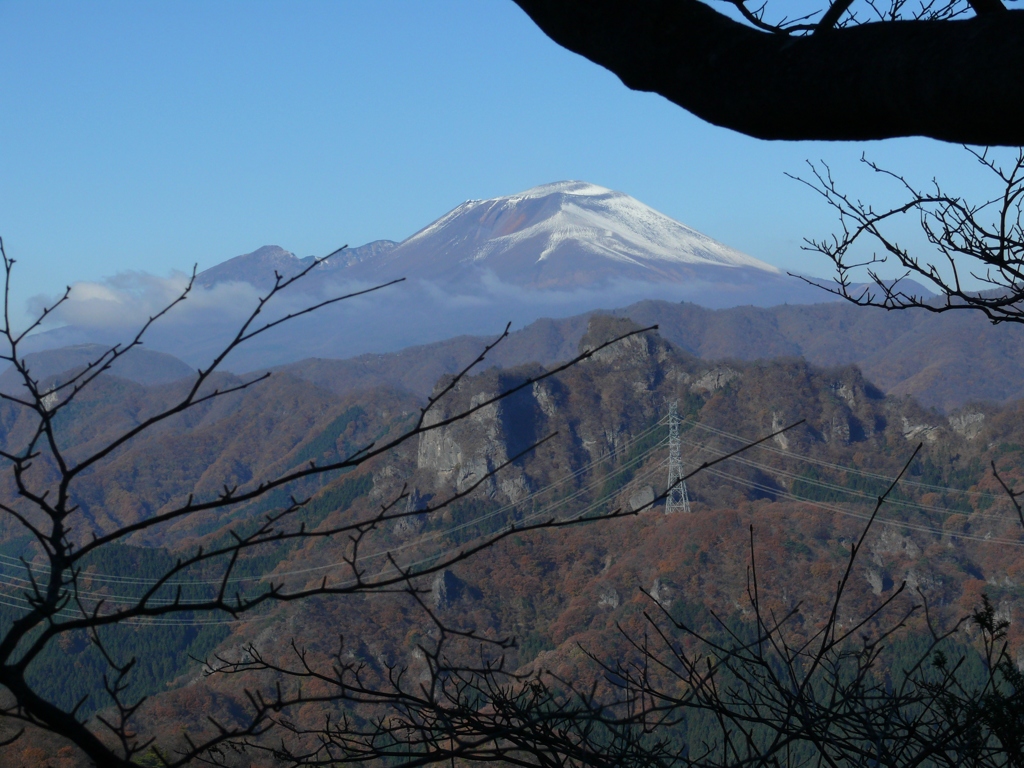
point(558, 250)
point(944, 361)
point(560, 235)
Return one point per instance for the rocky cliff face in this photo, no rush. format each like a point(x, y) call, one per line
point(597, 408)
point(464, 453)
point(556, 589)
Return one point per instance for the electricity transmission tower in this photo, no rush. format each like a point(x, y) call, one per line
point(677, 499)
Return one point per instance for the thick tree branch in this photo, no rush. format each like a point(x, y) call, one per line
point(987, 6)
point(949, 80)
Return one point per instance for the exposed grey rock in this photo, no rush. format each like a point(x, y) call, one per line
point(916, 580)
point(608, 598)
point(545, 399)
point(919, 431)
point(879, 582)
point(837, 429)
point(445, 589)
point(890, 541)
point(781, 439)
point(661, 593)
point(467, 451)
point(845, 391)
point(407, 527)
point(716, 378)
point(967, 424)
point(386, 483)
point(446, 452)
point(641, 498)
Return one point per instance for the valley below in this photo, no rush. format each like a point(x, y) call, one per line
point(569, 596)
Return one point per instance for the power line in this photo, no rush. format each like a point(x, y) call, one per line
point(115, 578)
point(675, 472)
point(544, 511)
point(822, 463)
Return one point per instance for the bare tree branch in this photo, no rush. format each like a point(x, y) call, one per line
point(982, 241)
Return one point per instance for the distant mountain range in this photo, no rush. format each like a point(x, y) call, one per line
point(944, 361)
point(259, 267)
point(140, 365)
point(556, 250)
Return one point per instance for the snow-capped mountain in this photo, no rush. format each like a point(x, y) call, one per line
point(556, 250)
point(565, 235)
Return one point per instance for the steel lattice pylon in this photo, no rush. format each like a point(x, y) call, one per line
point(677, 499)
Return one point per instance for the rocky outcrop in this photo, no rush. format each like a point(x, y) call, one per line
point(662, 592)
point(967, 424)
point(445, 589)
point(466, 452)
point(919, 431)
point(608, 597)
point(780, 439)
point(642, 498)
point(878, 580)
point(890, 541)
point(713, 379)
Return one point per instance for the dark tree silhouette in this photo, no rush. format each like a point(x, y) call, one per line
point(950, 70)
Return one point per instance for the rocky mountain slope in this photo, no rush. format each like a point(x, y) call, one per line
point(948, 531)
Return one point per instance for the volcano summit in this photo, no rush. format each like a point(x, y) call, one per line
point(565, 235)
point(556, 250)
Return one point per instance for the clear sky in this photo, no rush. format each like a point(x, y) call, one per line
point(152, 135)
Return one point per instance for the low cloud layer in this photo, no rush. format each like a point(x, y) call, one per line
point(414, 312)
point(128, 299)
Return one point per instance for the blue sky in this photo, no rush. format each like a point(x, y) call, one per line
point(150, 136)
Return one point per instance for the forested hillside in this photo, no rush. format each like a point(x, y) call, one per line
point(943, 361)
point(948, 530)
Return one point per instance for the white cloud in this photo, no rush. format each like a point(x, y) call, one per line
point(128, 299)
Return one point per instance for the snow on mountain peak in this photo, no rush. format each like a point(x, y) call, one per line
point(579, 188)
point(571, 228)
point(563, 235)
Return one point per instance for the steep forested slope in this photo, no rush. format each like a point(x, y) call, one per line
point(947, 531)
